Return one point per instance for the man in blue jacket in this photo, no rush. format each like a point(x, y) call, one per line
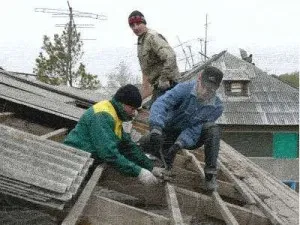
point(184, 117)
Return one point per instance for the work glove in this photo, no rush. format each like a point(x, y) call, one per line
point(170, 155)
point(147, 178)
point(156, 141)
point(163, 85)
point(158, 171)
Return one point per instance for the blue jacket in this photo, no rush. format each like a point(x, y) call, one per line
point(179, 110)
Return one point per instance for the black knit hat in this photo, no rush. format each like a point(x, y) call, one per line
point(129, 95)
point(136, 17)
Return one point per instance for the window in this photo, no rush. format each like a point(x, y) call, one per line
point(236, 88)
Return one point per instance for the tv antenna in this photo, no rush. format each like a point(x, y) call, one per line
point(71, 24)
point(71, 14)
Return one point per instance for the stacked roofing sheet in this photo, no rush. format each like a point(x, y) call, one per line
point(38, 170)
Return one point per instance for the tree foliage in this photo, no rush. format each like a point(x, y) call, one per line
point(290, 78)
point(59, 61)
point(121, 76)
point(87, 80)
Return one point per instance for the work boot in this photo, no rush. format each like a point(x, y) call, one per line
point(211, 182)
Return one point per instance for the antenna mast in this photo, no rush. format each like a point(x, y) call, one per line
point(205, 41)
point(71, 14)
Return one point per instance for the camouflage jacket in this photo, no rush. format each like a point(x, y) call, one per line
point(157, 58)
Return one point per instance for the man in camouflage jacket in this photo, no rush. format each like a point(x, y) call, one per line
point(156, 57)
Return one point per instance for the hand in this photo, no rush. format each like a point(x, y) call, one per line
point(156, 141)
point(163, 84)
point(147, 178)
point(170, 156)
point(158, 171)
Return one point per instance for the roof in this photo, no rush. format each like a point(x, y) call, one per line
point(246, 195)
point(58, 100)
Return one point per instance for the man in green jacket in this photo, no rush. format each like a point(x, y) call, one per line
point(100, 132)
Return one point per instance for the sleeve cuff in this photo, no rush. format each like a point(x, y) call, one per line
point(179, 144)
point(156, 130)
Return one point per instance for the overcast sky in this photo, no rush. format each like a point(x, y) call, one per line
point(268, 29)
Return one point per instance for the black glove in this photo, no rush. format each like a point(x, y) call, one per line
point(170, 155)
point(156, 141)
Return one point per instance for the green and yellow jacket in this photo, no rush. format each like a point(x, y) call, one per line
point(100, 132)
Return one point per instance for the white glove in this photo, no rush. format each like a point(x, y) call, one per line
point(135, 135)
point(127, 126)
point(147, 178)
point(163, 84)
point(158, 171)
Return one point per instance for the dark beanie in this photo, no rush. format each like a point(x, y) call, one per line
point(136, 17)
point(129, 95)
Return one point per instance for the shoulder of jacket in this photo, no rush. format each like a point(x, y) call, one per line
point(187, 84)
point(151, 32)
point(219, 101)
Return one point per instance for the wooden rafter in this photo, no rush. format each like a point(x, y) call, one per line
point(173, 204)
point(5, 115)
point(55, 135)
point(194, 202)
point(78, 208)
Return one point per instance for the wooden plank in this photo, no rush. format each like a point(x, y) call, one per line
point(150, 195)
point(192, 181)
point(226, 214)
point(193, 202)
point(173, 204)
point(223, 209)
point(277, 197)
point(101, 210)
point(195, 162)
point(265, 209)
point(5, 115)
point(56, 135)
point(78, 208)
point(224, 189)
point(237, 184)
point(113, 180)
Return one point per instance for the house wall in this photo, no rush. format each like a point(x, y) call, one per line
point(250, 144)
point(263, 141)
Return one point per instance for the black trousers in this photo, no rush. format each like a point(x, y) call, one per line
point(210, 138)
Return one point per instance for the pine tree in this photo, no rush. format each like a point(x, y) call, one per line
point(59, 62)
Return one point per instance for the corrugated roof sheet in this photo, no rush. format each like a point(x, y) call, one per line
point(38, 170)
point(58, 100)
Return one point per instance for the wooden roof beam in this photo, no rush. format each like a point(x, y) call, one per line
point(173, 205)
point(101, 210)
point(5, 115)
point(56, 135)
point(193, 203)
point(76, 211)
